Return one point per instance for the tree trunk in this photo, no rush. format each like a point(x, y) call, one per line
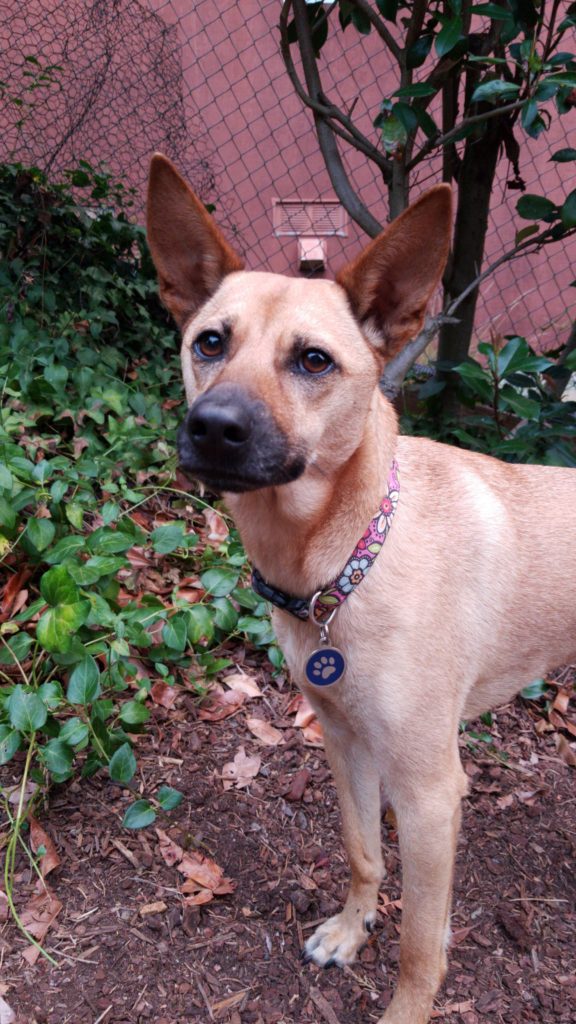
point(475, 179)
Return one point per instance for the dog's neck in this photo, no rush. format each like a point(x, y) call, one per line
point(300, 535)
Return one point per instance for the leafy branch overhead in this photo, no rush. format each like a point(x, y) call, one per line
point(461, 86)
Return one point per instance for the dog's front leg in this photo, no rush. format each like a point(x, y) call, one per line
point(428, 817)
point(337, 941)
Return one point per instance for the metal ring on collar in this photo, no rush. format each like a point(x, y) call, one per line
point(312, 608)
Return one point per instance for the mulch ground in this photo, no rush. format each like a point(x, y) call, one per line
point(130, 950)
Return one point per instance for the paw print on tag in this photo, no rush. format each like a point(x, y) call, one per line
point(325, 666)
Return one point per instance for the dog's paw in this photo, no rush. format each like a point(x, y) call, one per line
point(337, 941)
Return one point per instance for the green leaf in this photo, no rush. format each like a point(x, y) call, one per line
point(448, 36)
point(10, 740)
point(51, 693)
point(139, 815)
point(533, 207)
point(568, 211)
point(57, 587)
point(535, 690)
point(106, 541)
point(27, 711)
point(418, 89)
point(58, 758)
point(564, 78)
point(492, 11)
point(74, 732)
point(41, 532)
point(532, 229)
point(563, 156)
point(65, 548)
point(175, 632)
point(134, 713)
point(75, 514)
point(388, 9)
point(419, 51)
point(525, 407)
point(56, 626)
point(200, 623)
point(84, 682)
point(122, 765)
point(169, 798)
point(219, 582)
point(86, 573)
point(169, 537)
point(17, 647)
point(494, 91)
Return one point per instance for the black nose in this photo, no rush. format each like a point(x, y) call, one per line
point(218, 429)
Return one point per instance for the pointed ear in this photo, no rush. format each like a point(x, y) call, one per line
point(390, 284)
point(190, 254)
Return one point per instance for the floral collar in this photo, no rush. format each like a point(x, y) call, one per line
point(326, 602)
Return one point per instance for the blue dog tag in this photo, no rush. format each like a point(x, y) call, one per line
point(325, 666)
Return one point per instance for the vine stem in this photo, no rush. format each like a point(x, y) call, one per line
point(10, 860)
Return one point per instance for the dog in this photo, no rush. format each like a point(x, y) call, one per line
point(417, 584)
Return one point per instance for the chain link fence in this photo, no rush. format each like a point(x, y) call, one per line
point(111, 81)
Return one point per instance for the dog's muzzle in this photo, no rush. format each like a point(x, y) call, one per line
point(231, 442)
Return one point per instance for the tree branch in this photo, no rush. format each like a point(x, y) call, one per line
point(443, 140)
point(397, 368)
point(325, 131)
point(380, 26)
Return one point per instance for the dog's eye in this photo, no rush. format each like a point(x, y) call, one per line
point(313, 360)
point(209, 345)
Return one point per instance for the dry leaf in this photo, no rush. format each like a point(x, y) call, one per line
point(503, 802)
point(7, 1015)
point(450, 1008)
point(561, 701)
point(163, 694)
point(264, 732)
point(38, 837)
point(304, 714)
point(242, 683)
point(241, 770)
point(217, 529)
point(566, 752)
point(152, 908)
point(37, 917)
point(170, 851)
point(4, 907)
point(313, 734)
point(204, 878)
point(198, 898)
point(222, 704)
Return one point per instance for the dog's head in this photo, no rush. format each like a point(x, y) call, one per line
point(280, 372)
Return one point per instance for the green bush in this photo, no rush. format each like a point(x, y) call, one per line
point(509, 408)
point(88, 498)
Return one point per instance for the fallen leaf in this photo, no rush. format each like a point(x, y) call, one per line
point(561, 701)
point(305, 714)
point(450, 1008)
point(298, 785)
point(7, 1015)
point(11, 592)
point(312, 734)
point(264, 732)
point(14, 793)
point(4, 907)
point(163, 694)
point(242, 683)
point(241, 770)
point(222, 704)
point(37, 917)
point(566, 752)
point(217, 529)
point(152, 908)
point(38, 837)
point(503, 802)
point(198, 898)
point(203, 875)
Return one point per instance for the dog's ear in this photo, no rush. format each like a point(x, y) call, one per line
point(189, 252)
point(390, 284)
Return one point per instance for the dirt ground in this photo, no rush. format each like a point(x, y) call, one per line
point(129, 950)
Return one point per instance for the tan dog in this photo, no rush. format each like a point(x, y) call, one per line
point(473, 594)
